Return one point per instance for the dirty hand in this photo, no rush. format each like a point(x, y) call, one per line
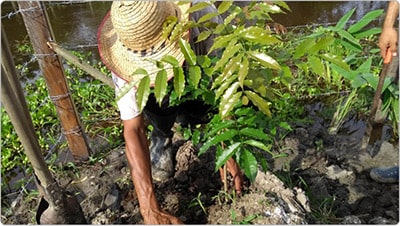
point(234, 170)
point(155, 216)
point(388, 39)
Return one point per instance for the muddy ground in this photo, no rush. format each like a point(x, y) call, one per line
point(323, 180)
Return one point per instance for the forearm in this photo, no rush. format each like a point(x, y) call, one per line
point(391, 14)
point(137, 153)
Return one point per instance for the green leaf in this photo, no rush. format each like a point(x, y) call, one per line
point(248, 163)
point(255, 133)
point(160, 86)
point(124, 90)
point(179, 81)
point(225, 135)
point(259, 145)
point(367, 33)
point(258, 35)
point(204, 61)
point(365, 20)
point(316, 65)
point(343, 21)
point(232, 48)
point(207, 17)
point(229, 69)
point(194, 76)
point(229, 99)
point(142, 93)
point(324, 43)
point(285, 125)
point(224, 6)
point(303, 48)
point(265, 60)
point(243, 71)
point(224, 124)
point(171, 60)
point(227, 82)
point(199, 6)
point(335, 60)
point(187, 51)
point(262, 104)
point(203, 35)
point(350, 46)
point(225, 155)
point(345, 72)
point(176, 32)
point(169, 24)
point(221, 41)
point(349, 37)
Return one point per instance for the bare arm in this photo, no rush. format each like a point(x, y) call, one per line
point(389, 36)
point(137, 152)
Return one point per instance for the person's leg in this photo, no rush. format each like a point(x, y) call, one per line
point(162, 119)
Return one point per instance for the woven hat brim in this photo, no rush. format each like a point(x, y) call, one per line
point(124, 62)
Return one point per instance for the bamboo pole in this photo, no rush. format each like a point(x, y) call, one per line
point(39, 34)
point(86, 67)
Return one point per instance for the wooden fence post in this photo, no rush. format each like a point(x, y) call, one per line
point(39, 33)
point(56, 205)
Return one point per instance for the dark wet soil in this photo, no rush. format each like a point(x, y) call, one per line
point(323, 180)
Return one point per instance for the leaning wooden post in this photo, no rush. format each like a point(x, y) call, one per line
point(58, 207)
point(39, 33)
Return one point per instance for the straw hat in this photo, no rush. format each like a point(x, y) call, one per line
point(131, 33)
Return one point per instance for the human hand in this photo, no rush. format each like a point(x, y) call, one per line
point(388, 40)
point(156, 216)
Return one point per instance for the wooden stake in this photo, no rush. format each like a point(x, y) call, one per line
point(62, 209)
point(39, 34)
point(84, 66)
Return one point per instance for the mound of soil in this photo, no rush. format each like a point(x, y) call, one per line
point(323, 179)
